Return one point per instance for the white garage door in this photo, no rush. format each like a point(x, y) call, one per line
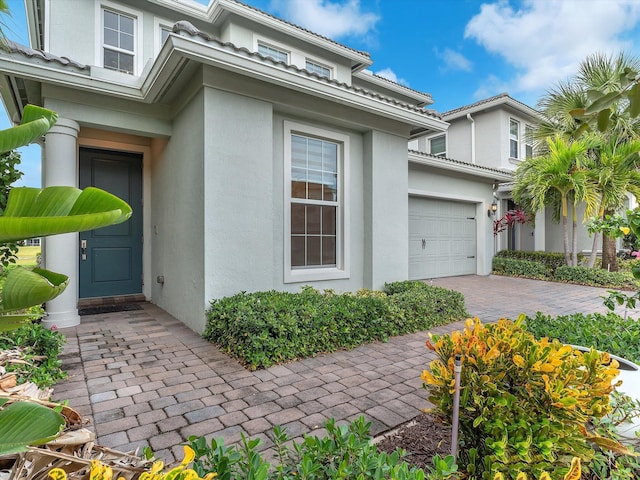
point(442, 238)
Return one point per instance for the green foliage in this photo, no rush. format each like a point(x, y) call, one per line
point(520, 268)
point(43, 347)
point(265, 328)
point(345, 452)
point(594, 276)
point(607, 332)
point(525, 404)
point(551, 260)
point(8, 175)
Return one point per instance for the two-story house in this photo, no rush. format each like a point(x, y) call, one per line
point(256, 155)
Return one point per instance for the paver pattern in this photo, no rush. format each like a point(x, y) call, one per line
point(143, 378)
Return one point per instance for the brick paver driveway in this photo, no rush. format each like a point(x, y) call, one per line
point(146, 379)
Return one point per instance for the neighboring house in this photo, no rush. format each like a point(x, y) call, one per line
point(495, 132)
point(256, 155)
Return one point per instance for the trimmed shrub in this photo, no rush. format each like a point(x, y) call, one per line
point(594, 277)
point(607, 332)
point(521, 268)
point(525, 404)
point(552, 260)
point(264, 328)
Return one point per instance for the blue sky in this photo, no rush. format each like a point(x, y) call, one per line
point(459, 51)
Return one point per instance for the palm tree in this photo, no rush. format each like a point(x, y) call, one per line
point(600, 73)
point(557, 179)
point(615, 170)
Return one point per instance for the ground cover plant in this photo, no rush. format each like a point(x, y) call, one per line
point(346, 451)
point(525, 404)
point(264, 328)
point(608, 332)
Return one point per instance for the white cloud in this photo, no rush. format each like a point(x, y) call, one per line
point(545, 40)
point(489, 87)
point(331, 19)
point(454, 60)
point(391, 75)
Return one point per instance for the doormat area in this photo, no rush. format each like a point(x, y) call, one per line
point(127, 307)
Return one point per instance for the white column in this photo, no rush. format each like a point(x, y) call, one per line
point(61, 251)
point(539, 233)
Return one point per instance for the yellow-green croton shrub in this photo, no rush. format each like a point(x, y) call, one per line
point(524, 404)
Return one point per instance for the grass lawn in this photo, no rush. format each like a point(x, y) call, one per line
point(27, 255)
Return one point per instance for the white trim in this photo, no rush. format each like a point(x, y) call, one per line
point(343, 239)
point(46, 38)
point(517, 139)
point(138, 33)
point(158, 24)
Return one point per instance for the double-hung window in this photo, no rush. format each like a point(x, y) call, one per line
point(273, 52)
point(118, 41)
point(321, 70)
point(528, 141)
point(316, 211)
point(514, 138)
point(438, 146)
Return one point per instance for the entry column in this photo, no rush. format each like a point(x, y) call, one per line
point(60, 168)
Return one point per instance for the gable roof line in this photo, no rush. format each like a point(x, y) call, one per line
point(190, 29)
point(424, 97)
point(13, 47)
point(458, 165)
point(500, 99)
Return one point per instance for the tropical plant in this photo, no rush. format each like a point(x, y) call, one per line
point(556, 179)
point(524, 403)
point(9, 174)
point(33, 212)
point(562, 111)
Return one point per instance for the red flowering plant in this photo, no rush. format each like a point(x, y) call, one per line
point(509, 219)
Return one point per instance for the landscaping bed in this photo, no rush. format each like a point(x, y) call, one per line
point(265, 328)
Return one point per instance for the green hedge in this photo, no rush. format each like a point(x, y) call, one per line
point(552, 260)
point(607, 332)
point(264, 328)
point(594, 276)
point(521, 268)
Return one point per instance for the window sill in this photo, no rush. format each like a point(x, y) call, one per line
point(314, 274)
point(515, 161)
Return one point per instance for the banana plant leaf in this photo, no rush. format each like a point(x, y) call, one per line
point(26, 423)
point(25, 288)
point(35, 123)
point(35, 212)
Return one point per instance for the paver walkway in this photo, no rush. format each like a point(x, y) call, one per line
point(143, 378)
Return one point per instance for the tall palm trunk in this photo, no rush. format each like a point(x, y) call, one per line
point(609, 258)
point(574, 236)
point(565, 231)
point(596, 235)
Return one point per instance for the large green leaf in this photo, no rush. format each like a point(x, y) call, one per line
point(35, 123)
point(604, 101)
point(26, 423)
point(34, 212)
point(24, 288)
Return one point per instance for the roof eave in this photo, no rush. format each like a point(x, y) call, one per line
point(498, 102)
point(459, 167)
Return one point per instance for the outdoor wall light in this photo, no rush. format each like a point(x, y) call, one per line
point(494, 208)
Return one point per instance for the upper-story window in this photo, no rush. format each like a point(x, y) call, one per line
point(514, 138)
point(273, 52)
point(528, 141)
point(438, 146)
point(321, 70)
point(164, 34)
point(118, 41)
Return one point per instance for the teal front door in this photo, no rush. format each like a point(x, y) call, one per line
point(111, 257)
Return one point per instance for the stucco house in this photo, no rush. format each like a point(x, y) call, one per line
point(256, 155)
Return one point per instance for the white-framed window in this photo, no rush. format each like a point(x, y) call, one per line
point(120, 44)
point(528, 141)
point(316, 171)
point(317, 68)
point(277, 54)
point(161, 28)
point(514, 138)
point(438, 145)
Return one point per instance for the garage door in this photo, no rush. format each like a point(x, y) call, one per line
point(442, 238)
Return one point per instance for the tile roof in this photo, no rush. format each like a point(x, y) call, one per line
point(460, 162)
point(188, 28)
point(359, 52)
point(395, 84)
point(500, 96)
point(13, 47)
